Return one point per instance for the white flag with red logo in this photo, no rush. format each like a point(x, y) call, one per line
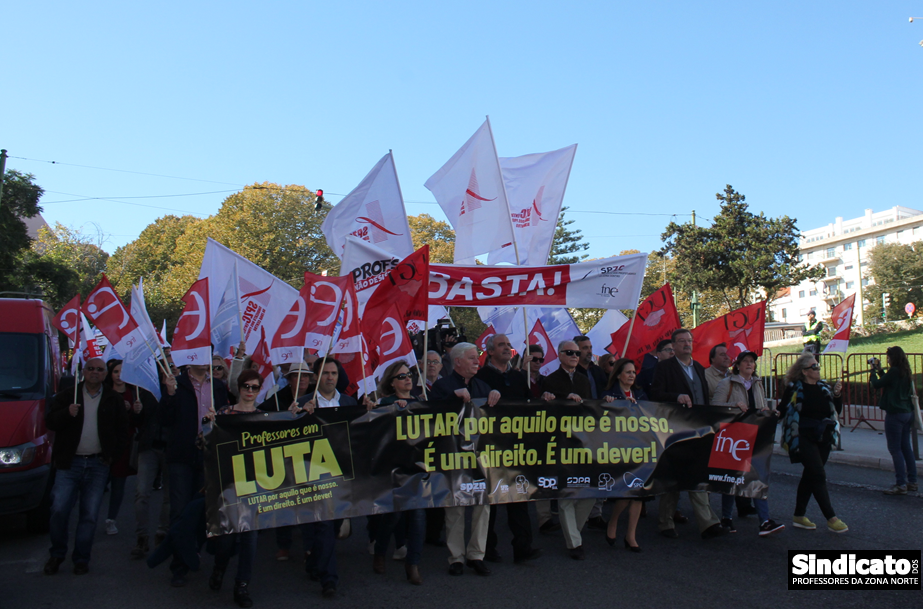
point(68, 319)
point(368, 265)
point(109, 315)
point(538, 336)
point(263, 361)
point(192, 338)
point(311, 321)
point(350, 347)
point(535, 185)
point(601, 333)
point(842, 324)
point(741, 330)
point(469, 189)
point(162, 335)
point(89, 348)
point(373, 211)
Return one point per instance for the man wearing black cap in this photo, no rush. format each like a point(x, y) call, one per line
point(811, 333)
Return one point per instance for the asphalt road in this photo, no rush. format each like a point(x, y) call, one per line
point(738, 570)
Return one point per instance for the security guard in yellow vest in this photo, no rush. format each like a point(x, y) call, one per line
point(811, 333)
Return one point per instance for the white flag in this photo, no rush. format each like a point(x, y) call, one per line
point(558, 324)
point(143, 319)
point(368, 264)
point(264, 300)
point(226, 322)
point(374, 212)
point(601, 334)
point(535, 185)
point(469, 189)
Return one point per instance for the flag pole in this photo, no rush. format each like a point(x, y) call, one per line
point(425, 354)
point(240, 317)
point(630, 328)
point(297, 378)
point(506, 199)
point(77, 376)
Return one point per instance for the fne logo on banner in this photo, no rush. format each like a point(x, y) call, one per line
point(733, 447)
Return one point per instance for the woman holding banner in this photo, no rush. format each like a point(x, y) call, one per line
point(897, 383)
point(249, 384)
point(395, 388)
point(621, 386)
point(744, 389)
point(809, 430)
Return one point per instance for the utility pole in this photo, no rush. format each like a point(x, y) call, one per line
point(2, 171)
point(694, 301)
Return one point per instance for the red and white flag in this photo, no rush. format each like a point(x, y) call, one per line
point(601, 333)
point(390, 342)
point(655, 320)
point(373, 211)
point(350, 348)
point(535, 185)
point(263, 361)
point(89, 347)
point(162, 335)
point(741, 329)
point(192, 337)
point(312, 319)
point(481, 341)
point(105, 309)
point(842, 323)
point(538, 336)
point(469, 189)
point(406, 286)
point(68, 319)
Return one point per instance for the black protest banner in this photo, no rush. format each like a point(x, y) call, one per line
point(270, 470)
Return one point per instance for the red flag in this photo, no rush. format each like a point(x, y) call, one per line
point(192, 337)
point(106, 311)
point(742, 330)
point(481, 341)
point(406, 286)
point(68, 319)
point(89, 347)
point(538, 336)
point(842, 323)
point(655, 320)
point(391, 342)
point(261, 356)
point(311, 321)
point(350, 348)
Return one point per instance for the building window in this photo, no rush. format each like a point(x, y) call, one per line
point(831, 271)
point(865, 282)
point(861, 243)
point(917, 230)
point(801, 294)
point(847, 247)
point(850, 285)
point(784, 314)
point(813, 293)
point(880, 239)
point(831, 252)
point(848, 267)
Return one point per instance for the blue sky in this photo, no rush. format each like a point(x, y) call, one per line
point(810, 109)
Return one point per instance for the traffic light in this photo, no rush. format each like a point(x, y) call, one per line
point(885, 299)
point(319, 205)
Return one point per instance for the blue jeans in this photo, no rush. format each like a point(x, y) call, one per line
point(245, 556)
point(322, 562)
point(761, 505)
point(87, 478)
point(116, 495)
point(185, 482)
point(897, 432)
point(415, 521)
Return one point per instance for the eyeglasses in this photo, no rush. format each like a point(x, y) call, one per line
point(812, 367)
point(400, 377)
point(251, 387)
point(218, 367)
point(540, 360)
point(570, 352)
point(433, 362)
point(94, 369)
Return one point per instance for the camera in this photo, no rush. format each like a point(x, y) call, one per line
point(873, 362)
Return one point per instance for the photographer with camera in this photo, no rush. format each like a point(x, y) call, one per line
point(897, 383)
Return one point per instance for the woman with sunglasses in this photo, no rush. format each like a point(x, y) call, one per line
point(810, 429)
point(395, 388)
point(621, 386)
point(897, 383)
point(249, 384)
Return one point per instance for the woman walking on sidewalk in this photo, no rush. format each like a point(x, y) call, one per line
point(897, 383)
point(809, 430)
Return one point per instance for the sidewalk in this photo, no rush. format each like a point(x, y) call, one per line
point(862, 448)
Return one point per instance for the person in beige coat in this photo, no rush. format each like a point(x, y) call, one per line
point(744, 389)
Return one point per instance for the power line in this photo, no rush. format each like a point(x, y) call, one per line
point(191, 194)
point(70, 194)
point(143, 173)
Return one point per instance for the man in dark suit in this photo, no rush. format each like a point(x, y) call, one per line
point(681, 379)
point(661, 353)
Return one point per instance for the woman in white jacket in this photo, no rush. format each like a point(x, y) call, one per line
point(744, 389)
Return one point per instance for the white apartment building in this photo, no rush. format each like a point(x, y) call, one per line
point(843, 247)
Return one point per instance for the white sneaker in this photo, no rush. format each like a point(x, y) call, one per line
point(400, 553)
point(345, 529)
point(371, 548)
point(111, 529)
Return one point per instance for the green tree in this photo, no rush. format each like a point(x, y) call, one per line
point(743, 257)
point(20, 200)
point(567, 243)
point(898, 271)
point(437, 233)
point(82, 254)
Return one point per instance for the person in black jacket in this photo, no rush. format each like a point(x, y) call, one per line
point(152, 444)
point(681, 379)
point(189, 398)
point(89, 434)
point(512, 385)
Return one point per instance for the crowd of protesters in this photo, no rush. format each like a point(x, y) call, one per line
point(107, 431)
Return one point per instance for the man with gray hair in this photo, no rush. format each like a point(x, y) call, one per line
point(460, 387)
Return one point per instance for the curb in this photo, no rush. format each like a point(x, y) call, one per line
point(846, 458)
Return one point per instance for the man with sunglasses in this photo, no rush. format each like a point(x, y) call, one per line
point(88, 435)
point(500, 375)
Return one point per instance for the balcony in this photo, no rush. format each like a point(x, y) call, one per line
point(834, 296)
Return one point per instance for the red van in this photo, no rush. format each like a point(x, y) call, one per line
point(30, 366)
